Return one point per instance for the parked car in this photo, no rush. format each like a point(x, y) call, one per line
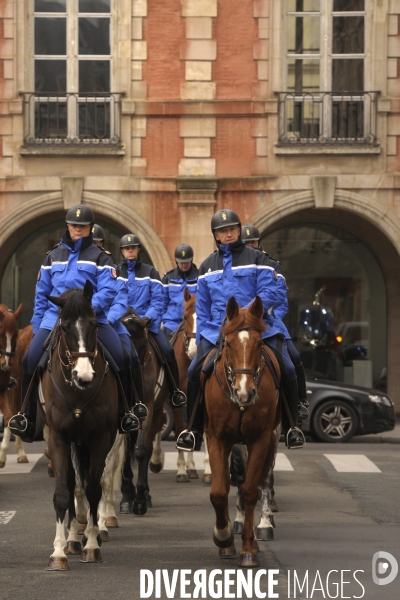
point(338, 411)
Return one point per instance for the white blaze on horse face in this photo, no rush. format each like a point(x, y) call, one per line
point(242, 389)
point(8, 349)
point(192, 342)
point(83, 367)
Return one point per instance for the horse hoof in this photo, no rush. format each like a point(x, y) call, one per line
point(207, 479)
point(155, 467)
point(249, 560)
point(224, 543)
point(50, 471)
point(73, 548)
point(237, 527)
point(192, 474)
point(104, 535)
point(182, 479)
point(265, 534)
point(139, 509)
point(125, 508)
point(273, 506)
point(91, 556)
point(229, 552)
point(22, 459)
point(57, 563)
point(2, 464)
point(112, 522)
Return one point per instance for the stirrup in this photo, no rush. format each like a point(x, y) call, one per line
point(178, 399)
point(129, 423)
point(188, 437)
point(20, 426)
point(302, 442)
point(140, 411)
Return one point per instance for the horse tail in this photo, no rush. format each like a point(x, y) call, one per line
point(81, 462)
point(238, 465)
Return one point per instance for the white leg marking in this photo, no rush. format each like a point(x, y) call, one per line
point(91, 532)
point(180, 463)
point(59, 541)
point(73, 535)
point(223, 534)
point(207, 468)
point(5, 444)
point(19, 446)
point(156, 454)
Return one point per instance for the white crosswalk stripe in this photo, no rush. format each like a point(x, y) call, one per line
point(13, 468)
point(352, 463)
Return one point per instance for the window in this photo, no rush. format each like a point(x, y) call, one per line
point(325, 97)
point(72, 100)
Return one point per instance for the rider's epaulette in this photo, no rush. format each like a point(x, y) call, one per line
point(168, 272)
point(106, 251)
point(56, 246)
point(275, 259)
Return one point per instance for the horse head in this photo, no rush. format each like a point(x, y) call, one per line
point(189, 323)
point(242, 350)
point(8, 336)
point(78, 326)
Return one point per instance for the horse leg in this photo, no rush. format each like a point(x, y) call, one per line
point(181, 476)
point(265, 528)
point(142, 455)
point(73, 544)
point(58, 560)
point(223, 535)
point(156, 463)
point(127, 488)
point(190, 466)
point(207, 477)
point(255, 463)
point(107, 516)
point(238, 473)
point(5, 445)
point(19, 446)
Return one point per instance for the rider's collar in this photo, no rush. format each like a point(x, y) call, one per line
point(234, 247)
point(75, 246)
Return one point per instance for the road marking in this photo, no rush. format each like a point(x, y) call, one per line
point(352, 463)
point(6, 516)
point(282, 462)
point(14, 468)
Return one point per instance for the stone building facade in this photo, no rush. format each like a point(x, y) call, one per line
point(156, 114)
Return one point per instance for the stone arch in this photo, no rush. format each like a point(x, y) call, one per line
point(42, 209)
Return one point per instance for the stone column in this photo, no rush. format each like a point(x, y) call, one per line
point(196, 206)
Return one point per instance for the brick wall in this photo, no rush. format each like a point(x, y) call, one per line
point(233, 147)
point(162, 147)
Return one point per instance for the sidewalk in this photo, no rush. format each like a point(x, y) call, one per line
point(386, 437)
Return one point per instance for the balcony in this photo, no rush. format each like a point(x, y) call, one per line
point(346, 121)
point(75, 122)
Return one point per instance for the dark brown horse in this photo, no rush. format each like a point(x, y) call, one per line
point(241, 406)
point(9, 376)
point(139, 447)
point(80, 398)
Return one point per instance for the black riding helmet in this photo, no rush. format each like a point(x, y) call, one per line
point(184, 253)
point(224, 218)
point(250, 233)
point(98, 233)
point(80, 214)
point(129, 239)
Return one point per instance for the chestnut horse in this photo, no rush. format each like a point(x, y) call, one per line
point(139, 447)
point(10, 370)
point(241, 407)
point(80, 398)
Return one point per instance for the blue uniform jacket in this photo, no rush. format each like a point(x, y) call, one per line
point(119, 305)
point(174, 284)
point(145, 290)
point(68, 265)
point(240, 271)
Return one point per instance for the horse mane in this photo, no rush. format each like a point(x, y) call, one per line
point(76, 305)
point(191, 302)
point(245, 319)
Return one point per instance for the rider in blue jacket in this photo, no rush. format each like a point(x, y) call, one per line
point(184, 275)
point(251, 237)
point(69, 265)
point(145, 296)
point(243, 272)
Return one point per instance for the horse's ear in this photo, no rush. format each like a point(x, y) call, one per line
point(186, 294)
point(88, 290)
point(56, 300)
point(257, 307)
point(18, 312)
point(232, 308)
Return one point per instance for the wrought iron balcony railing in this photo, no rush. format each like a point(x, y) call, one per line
point(92, 119)
point(336, 118)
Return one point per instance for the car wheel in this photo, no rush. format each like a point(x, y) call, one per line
point(334, 421)
point(169, 422)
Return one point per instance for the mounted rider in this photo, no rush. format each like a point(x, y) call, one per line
point(243, 272)
point(251, 237)
point(184, 275)
point(69, 265)
point(146, 297)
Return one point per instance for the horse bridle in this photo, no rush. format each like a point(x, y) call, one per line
point(4, 352)
point(72, 355)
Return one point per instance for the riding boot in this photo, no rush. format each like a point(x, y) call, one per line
point(178, 398)
point(127, 421)
point(139, 409)
point(190, 440)
point(303, 411)
point(294, 437)
point(24, 424)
